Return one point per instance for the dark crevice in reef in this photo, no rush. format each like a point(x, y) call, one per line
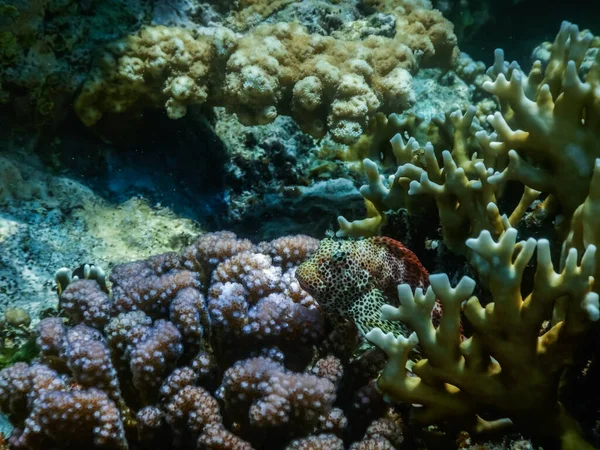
point(174, 163)
point(519, 28)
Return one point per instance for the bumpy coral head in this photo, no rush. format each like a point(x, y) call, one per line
point(354, 278)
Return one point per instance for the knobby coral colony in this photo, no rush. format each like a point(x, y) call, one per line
point(213, 347)
point(326, 83)
point(200, 348)
point(546, 137)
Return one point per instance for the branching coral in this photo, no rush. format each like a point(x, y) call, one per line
point(550, 120)
point(460, 186)
point(544, 138)
point(458, 379)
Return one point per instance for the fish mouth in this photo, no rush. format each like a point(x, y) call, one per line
point(302, 281)
point(305, 287)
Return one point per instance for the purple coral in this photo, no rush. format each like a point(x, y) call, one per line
point(254, 271)
point(52, 340)
point(212, 248)
point(289, 251)
point(217, 437)
point(334, 421)
point(278, 317)
point(152, 294)
point(155, 356)
point(20, 384)
point(189, 314)
point(81, 418)
point(86, 302)
point(150, 421)
point(124, 332)
point(179, 378)
point(251, 297)
point(189, 411)
point(228, 307)
point(90, 363)
point(254, 302)
point(319, 442)
point(270, 395)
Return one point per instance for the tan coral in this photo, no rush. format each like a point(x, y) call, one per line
point(333, 85)
point(423, 29)
point(251, 12)
point(158, 66)
point(326, 83)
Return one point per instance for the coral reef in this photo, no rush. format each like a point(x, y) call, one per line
point(227, 343)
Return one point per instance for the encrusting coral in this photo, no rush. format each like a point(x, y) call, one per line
point(422, 28)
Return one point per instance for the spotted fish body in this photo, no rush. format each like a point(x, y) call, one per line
point(355, 278)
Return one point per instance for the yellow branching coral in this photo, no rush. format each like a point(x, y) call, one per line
point(511, 364)
point(545, 137)
point(585, 223)
point(550, 120)
point(460, 185)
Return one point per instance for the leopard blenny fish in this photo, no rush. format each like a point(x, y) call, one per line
point(355, 278)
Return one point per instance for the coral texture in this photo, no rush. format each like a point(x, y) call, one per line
point(325, 83)
point(457, 378)
point(543, 138)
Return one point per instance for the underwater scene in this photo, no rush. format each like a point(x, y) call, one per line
point(299, 225)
